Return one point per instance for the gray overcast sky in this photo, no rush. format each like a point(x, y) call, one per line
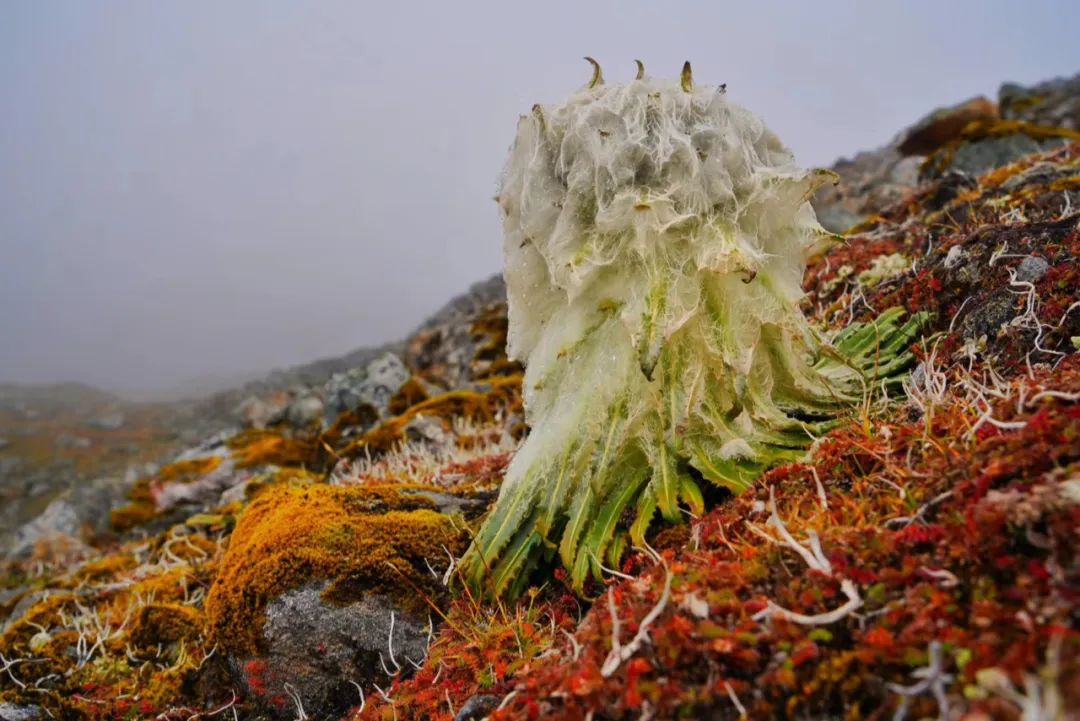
point(199, 188)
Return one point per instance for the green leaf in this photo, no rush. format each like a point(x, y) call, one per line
point(666, 479)
point(646, 509)
point(602, 529)
point(691, 495)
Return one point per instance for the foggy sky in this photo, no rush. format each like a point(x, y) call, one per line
point(195, 189)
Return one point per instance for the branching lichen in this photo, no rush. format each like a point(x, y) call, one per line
point(656, 236)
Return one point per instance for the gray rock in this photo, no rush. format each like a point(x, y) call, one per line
point(1052, 103)
point(373, 386)
point(201, 493)
point(60, 518)
point(447, 343)
point(4, 443)
point(836, 218)
point(15, 712)
point(81, 507)
point(869, 183)
point(978, 157)
point(304, 411)
point(1031, 269)
point(261, 412)
point(477, 707)
point(318, 649)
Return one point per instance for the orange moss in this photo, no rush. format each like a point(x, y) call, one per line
point(189, 470)
point(1070, 183)
point(133, 515)
point(998, 128)
point(45, 612)
point(361, 417)
point(106, 568)
point(195, 548)
point(359, 539)
point(407, 396)
point(262, 447)
point(165, 623)
point(166, 587)
point(446, 406)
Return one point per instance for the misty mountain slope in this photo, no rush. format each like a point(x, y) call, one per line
point(920, 562)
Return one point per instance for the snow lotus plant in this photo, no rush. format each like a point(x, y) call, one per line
point(656, 236)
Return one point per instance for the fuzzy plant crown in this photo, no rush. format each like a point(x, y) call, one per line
point(656, 236)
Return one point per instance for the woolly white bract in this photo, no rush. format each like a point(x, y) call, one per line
point(656, 236)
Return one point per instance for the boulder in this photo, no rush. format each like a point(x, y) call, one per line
point(318, 648)
point(1054, 103)
point(371, 386)
point(305, 410)
point(258, 412)
point(314, 579)
point(944, 125)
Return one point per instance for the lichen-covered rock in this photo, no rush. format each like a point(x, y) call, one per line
point(260, 412)
point(874, 180)
point(305, 410)
point(984, 145)
point(310, 580)
point(371, 386)
point(1054, 103)
point(944, 125)
point(465, 340)
point(359, 539)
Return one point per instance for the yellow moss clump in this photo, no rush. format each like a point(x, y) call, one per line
point(408, 395)
point(359, 539)
point(165, 623)
point(189, 470)
point(260, 447)
point(135, 514)
point(105, 569)
point(167, 587)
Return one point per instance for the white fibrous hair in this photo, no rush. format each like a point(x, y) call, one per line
point(656, 236)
